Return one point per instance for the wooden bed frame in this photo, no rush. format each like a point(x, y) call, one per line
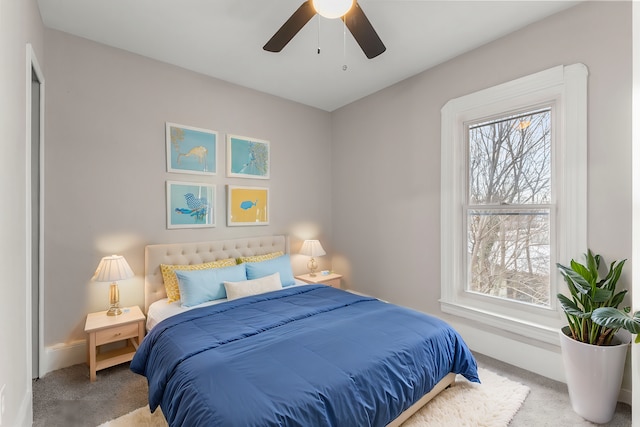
point(200, 252)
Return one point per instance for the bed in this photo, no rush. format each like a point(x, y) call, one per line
point(297, 356)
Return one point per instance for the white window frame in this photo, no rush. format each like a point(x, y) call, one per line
point(565, 88)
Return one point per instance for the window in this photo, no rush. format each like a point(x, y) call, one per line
point(513, 199)
point(508, 213)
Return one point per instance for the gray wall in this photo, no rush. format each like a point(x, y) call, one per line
point(386, 152)
point(106, 168)
point(20, 24)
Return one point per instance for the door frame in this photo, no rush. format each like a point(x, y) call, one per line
point(33, 64)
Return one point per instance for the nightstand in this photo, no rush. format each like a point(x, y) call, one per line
point(103, 329)
point(332, 279)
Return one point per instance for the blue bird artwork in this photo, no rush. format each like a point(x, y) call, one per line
point(196, 207)
point(248, 204)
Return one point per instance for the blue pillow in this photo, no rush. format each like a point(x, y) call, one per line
point(281, 264)
point(198, 286)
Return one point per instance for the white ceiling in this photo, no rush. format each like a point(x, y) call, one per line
point(224, 39)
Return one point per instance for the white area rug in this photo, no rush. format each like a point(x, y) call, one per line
point(490, 404)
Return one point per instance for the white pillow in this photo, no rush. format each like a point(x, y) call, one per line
point(247, 288)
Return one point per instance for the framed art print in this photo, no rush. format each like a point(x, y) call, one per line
point(191, 150)
point(190, 205)
point(247, 157)
point(247, 205)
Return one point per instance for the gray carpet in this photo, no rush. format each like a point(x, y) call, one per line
point(66, 398)
point(547, 404)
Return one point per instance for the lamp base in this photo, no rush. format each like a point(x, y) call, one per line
point(114, 300)
point(312, 265)
point(114, 311)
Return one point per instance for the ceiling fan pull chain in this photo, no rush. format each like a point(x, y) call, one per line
point(344, 45)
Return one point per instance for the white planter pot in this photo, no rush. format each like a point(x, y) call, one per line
point(594, 376)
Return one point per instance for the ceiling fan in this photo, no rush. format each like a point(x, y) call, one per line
point(349, 11)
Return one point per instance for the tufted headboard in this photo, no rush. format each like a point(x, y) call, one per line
point(197, 253)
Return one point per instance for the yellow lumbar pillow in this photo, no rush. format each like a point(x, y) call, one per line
point(259, 258)
point(171, 281)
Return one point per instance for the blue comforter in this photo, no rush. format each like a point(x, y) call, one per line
point(302, 356)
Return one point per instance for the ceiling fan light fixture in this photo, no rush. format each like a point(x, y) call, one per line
point(356, 21)
point(332, 9)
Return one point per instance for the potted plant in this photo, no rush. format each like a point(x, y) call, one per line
point(589, 341)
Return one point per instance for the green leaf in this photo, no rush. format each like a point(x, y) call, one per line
point(617, 270)
point(581, 284)
point(613, 318)
point(593, 263)
point(571, 307)
point(601, 295)
point(617, 299)
point(583, 271)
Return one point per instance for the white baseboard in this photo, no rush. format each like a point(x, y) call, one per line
point(540, 358)
point(625, 396)
point(63, 355)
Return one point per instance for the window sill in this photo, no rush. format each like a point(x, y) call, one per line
point(513, 325)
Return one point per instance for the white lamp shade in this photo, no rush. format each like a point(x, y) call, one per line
point(332, 8)
point(113, 268)
point(312, 248)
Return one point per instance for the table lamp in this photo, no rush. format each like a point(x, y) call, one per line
point(312, 248)
point(111, 269)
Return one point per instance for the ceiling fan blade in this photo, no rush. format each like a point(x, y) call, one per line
point(290, 28)
point(363, 32)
